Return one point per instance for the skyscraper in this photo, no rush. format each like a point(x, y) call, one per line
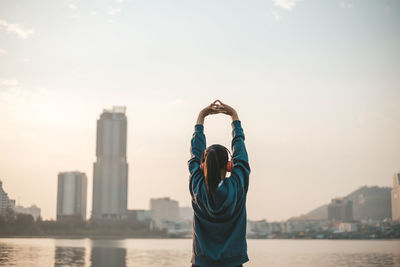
point(110, 171)
point(71, 196)
point(396, 197)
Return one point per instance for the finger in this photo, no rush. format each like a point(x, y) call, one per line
point(218, 110)
point(216, 107)
point(215, 103)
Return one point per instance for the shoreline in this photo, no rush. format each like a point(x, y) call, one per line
point(119, 237)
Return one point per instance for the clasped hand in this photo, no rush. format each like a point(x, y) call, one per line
point(217, 107)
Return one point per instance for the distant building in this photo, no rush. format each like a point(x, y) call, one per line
point(71, 196)
point(32, 210)
point(186, 213)
point(5, 202)
point(396, 198)
point(110, 171)
point(304, 223)
point(143, 216)
point(340, 209)
point(258, 229)
point(348, 227)
point(180, 229)
point(164, 209)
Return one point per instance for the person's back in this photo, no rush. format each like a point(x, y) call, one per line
point(219, 204)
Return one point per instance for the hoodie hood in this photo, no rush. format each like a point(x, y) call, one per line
point(220, 204)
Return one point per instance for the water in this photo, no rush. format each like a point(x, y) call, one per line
point(21, 252)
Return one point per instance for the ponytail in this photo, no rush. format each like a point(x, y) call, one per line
point(212, 173)
point(215, 158)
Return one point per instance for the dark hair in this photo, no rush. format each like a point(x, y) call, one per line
point(215, 158)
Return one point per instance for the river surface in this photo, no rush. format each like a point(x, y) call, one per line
point(21, 252)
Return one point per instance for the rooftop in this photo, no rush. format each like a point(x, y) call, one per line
point(115, 109)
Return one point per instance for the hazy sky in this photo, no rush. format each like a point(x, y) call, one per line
point(316, 85)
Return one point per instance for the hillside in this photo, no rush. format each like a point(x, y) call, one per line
point(368, 203)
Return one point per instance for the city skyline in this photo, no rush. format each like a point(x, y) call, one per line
point(72, 192)
point(315, 85)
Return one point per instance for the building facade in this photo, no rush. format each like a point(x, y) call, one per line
point(164, 209)
point(5, 202)
point(71, 196)
point(142, 216)
point(33, 210)
point(348, 227)
point(396, 197)
point(110, 171)
point(340, 209)
point(186, 213)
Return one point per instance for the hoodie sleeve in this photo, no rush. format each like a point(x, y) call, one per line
point(241, 167)
point(198, 145)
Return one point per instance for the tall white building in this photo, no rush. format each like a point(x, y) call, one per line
point(396, 197)
point(110, 174)
point(5, 202)
point(71, 196)
point(164, 209)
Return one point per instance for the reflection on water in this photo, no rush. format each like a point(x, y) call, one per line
point(170, 258)
point(12, 254)
point(6, 254)
point(105, 257)
point(374, 259)
point(21, 252)
point(69, 256)
point(100, 255)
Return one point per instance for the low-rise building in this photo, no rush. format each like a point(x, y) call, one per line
point(186, 213)
point(258, 229)
point(143, 216)
point(348, 227)
point(164, 209)
point(32, 210)
point(305, 224)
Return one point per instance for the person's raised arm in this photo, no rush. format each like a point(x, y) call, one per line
point(241, 167)
point(213, 108)
point(228, 110)
point(198, 142)
point(198, 145)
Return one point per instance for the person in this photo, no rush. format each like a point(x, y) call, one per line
point(219, 202)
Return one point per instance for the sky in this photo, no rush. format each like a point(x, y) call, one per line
point(316, 85)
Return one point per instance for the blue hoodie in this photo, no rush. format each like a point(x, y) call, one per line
point(219, 225)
